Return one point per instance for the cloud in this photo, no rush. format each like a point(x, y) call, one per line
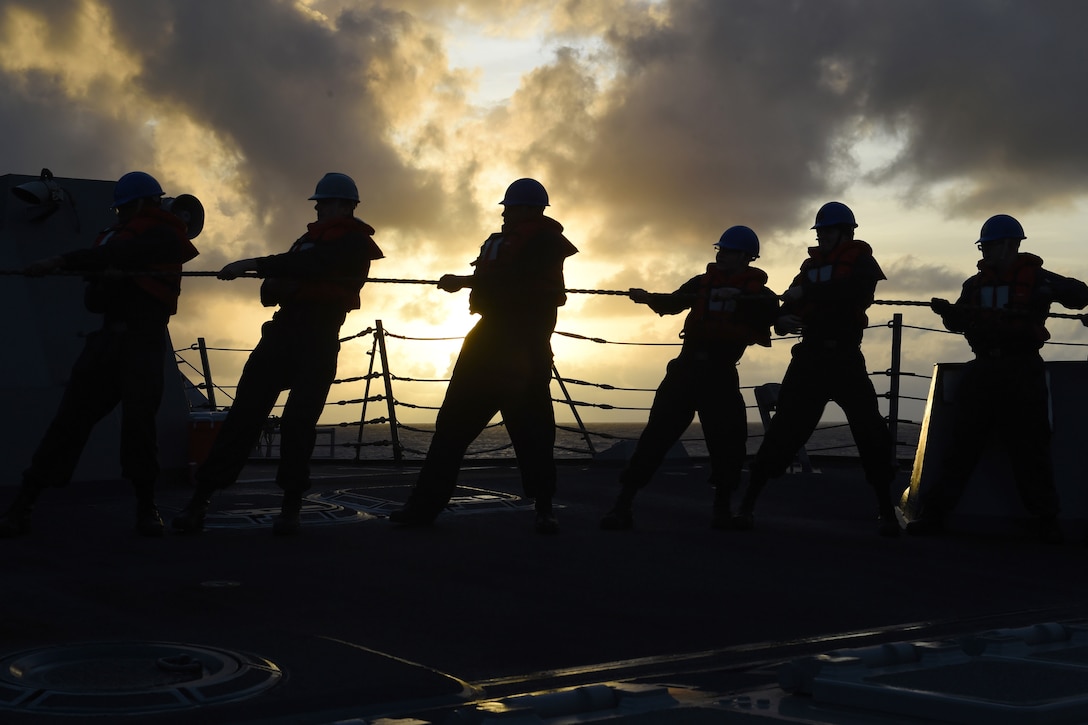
point(54, 93)
point(659, 121)
point(910, 276)
point(675, 116)
point(749, 111)
point(299, 97)
point(1003, 122)
point(654, 125)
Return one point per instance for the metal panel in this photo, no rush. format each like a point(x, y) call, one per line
point(43, 328)
point(991, 500)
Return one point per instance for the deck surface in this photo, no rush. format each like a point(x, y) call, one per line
point(364, 619)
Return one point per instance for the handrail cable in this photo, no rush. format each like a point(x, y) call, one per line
point(582, 429)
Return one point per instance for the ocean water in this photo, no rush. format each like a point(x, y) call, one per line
point(608, 440)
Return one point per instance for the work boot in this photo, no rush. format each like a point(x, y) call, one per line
point(546, 522)
point(289, 522)
point(888, 528)
point(190, 520)
point(889, 524)
point(723, 509)
point(743, 521)
point(618, 519)
point(148, 521)
point(620, 516)
point(16, 521)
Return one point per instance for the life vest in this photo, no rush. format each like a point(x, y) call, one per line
point(340, 292)
point(165, 284)
point(993, 293)
point(502, 262)
point(837, 264)
point(715, 319)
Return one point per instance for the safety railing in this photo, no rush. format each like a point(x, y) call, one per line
point(383, 435)
point(387, 436)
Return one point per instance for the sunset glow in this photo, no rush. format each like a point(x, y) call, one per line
point(654, 126)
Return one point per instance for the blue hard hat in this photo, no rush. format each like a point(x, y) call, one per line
point(1001, 226)
point(336, 186)
point(135, 185)
point(740, 238)
point(525, 192)
point(835, 214)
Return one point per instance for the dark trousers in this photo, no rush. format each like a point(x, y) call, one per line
point(291, 356)
point(816, 376)
point(495, 373)
point(694, 384)
point(116, 366)
point(1002, 400)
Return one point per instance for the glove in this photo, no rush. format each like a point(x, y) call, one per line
point(789, 325)
point(235, 270)
point(793, 294)
point(940, 306)
point(453, 282)
point(43, 266)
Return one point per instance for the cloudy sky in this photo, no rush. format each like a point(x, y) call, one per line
point(654, 126)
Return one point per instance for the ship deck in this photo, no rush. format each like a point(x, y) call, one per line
point(356, 620)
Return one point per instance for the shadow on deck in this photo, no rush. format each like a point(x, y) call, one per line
point(478, 618)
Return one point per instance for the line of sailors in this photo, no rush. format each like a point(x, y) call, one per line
point(504, 365)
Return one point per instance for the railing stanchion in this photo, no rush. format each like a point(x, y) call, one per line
point(366, 397)
point(574, 409)
point(380, 335)
point(208, 387)
point(893, 390)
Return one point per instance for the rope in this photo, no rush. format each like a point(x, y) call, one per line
point(358, 378)
point(620, 293)
point(606, 386)
point(1067, 344)
point(363, 333)
point(183, 273)
point(421, 339)
point(610, 342)
point(915, 303)
point(902, 303)
point(415, 380)
point(394, 280)
point(602, 406)
point(415, 407)
point(357, 401)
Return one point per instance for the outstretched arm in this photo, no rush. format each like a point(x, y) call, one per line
point(454, 282)
point(667, 303)
point(237, 269)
